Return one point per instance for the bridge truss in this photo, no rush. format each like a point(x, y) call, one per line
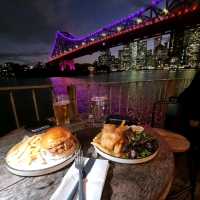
point(158, 17)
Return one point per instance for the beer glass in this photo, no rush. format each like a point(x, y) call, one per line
point(61, 106)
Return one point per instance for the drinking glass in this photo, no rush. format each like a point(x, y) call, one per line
point(98, 107)
point(61, 106)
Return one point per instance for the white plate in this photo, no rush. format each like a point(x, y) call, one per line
point(124, 160)
point(42, 169)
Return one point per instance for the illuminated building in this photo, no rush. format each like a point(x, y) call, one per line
point(160, 55)
point(149, 59)
point(141, 54)
point(125, 57)
point(193, 47)
point(6, 71)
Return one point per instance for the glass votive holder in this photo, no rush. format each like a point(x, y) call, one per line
point(99, 108)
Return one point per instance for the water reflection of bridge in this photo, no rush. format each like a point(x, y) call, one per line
point(160, 17)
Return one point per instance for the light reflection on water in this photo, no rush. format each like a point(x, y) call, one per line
point(112, 77)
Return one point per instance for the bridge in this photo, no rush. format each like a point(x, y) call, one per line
point(160, 17)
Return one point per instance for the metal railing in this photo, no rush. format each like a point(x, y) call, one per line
point(132, 98)
point(33, 90)
point(135, 99)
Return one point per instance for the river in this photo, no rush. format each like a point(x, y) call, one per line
point(112, 77)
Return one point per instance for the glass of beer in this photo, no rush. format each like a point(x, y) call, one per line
point(61, 106)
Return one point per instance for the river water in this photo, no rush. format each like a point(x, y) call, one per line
point(112, 77)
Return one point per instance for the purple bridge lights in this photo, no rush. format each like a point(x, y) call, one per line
point(67, 64)
point(160, 16)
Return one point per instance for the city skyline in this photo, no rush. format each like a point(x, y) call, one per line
point(28, 30)
point(115, 50)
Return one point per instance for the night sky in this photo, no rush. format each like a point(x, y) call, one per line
point(27, 27)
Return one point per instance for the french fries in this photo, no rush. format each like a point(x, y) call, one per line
point(122, 123)
point(26, 151)
point(96, 142)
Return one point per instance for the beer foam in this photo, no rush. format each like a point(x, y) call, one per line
point(61, 103)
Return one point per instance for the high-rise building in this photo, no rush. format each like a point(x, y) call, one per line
point(141, 54)
point(185, 47)
point(125, 58)
point(105, 58)
point(149, 59)
point(177, 46)
point(133, 51)
point(133, 55)
point(6, 71)
point(193, 47)
point(115, 64)
point(160, 55)
point(157, 41)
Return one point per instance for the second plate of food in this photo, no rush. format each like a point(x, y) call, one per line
point(123, 144)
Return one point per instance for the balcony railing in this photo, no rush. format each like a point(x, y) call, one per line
point(135, 99)
point(11, 91)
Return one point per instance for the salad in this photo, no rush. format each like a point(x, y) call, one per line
point(139, 145)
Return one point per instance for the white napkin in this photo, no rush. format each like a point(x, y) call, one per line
point(93, 183)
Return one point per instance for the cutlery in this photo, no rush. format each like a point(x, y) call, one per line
point(79, 164)
point(86, 171)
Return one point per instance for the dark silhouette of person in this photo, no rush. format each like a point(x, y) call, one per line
point(189, 107)
point(189, 118)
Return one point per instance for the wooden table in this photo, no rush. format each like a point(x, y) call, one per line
point(176, 142)
point(149, 181)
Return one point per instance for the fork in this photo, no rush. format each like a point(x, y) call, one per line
point(79, 164)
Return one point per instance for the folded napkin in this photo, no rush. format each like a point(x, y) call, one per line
point(93, 183)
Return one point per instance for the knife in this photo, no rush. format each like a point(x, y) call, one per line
point(86, 171)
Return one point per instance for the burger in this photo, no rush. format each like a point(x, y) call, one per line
point(58, 142)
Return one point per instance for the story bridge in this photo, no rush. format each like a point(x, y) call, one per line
point(160, 17)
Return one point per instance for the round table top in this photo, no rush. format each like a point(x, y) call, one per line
point(176, 142)
point(147, 181)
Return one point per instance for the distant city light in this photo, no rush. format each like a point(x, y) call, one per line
point(92, 39)
point(119, 28)
point(103, 34)
point(76, 46)
point(165, 11)
point(104, 44)
point(139, 21)
point(83, 43)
